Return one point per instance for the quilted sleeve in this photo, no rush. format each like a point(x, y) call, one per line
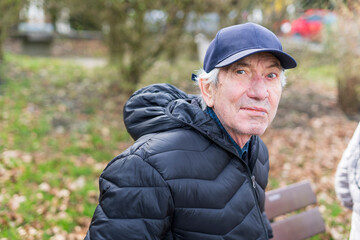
point(351, 154)
point(134, 203)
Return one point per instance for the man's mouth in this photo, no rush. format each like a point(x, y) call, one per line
point(255, 109)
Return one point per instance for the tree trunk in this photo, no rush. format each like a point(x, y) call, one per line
point(348, 94)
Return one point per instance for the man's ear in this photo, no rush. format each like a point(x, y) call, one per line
point(207, 92)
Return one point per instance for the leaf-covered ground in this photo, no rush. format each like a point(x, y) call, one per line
point(60, 124)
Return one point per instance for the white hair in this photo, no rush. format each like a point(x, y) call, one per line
point(212, 78)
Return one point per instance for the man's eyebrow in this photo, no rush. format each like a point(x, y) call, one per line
point(275, 64)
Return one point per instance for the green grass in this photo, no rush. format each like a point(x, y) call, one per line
point(322, 74)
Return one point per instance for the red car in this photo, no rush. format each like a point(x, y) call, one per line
point(311, 24)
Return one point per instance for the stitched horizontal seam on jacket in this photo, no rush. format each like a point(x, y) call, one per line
point(199, 232)
point(119, 186)
point(115, 218)
point(182, 229)
point(179, 149)
point(202, 179)
point(204, 208)
point(126, 219)
point(183, 150)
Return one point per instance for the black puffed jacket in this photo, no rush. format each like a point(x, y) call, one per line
point(182, 178)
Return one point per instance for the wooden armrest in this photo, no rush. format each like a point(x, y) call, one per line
point(299, 226)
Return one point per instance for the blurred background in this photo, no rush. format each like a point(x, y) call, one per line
point(67, 67)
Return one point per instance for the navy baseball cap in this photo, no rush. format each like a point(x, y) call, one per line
point(239, 41)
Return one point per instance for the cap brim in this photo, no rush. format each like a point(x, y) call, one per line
point(285, 59)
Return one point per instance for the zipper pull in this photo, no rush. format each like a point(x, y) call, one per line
point(253, 181)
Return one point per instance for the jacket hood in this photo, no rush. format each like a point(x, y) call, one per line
point(155, 109)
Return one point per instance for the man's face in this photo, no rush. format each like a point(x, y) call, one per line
point(247, 95)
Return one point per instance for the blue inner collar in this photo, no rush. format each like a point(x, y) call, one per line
point(242, 151)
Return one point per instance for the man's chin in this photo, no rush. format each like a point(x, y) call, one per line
point(256, 130)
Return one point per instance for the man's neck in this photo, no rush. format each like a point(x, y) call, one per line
point(240, 141)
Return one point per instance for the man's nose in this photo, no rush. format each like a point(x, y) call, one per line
point(257, 88)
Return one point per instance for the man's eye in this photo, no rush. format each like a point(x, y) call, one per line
point(272, 75)
point(240, 72)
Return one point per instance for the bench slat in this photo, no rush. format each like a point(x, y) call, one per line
point(288, 199)
point(300, 226)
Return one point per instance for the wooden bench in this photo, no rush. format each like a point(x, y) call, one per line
point(299, 225)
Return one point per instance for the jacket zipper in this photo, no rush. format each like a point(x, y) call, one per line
point(253, 183)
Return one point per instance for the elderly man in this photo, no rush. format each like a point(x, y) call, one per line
point(198, 169)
